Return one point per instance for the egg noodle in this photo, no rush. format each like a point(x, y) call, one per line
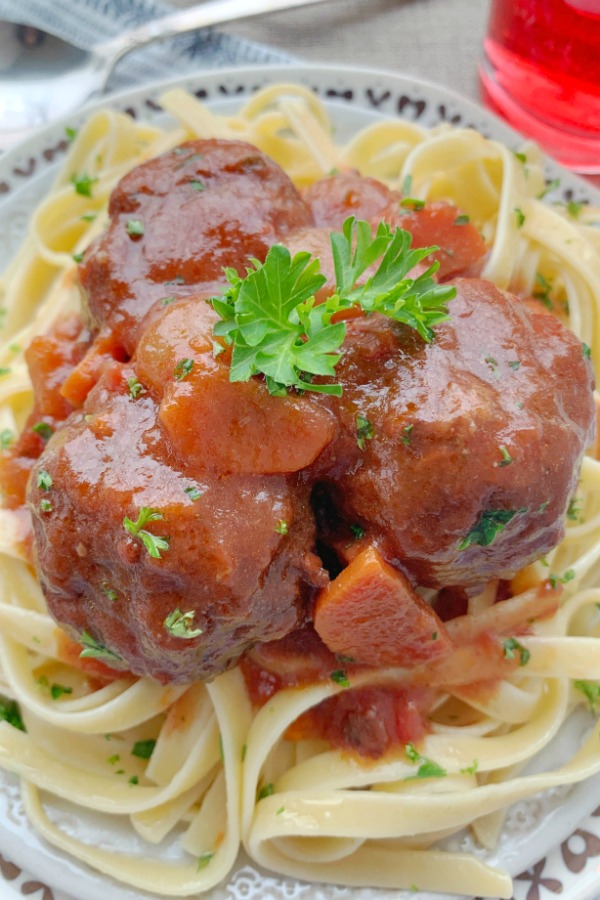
point(221, 774)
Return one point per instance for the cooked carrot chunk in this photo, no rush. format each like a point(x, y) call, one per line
point(371, 613)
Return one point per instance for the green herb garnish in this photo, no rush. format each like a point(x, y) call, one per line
point(204, 859)
point(427, 768)
point(574, 510)
point(44, 480)
point(358, 531)
point(406, 434)
point(57, 690)
point(461, 220)
point(271, 319)
point(6, 438)
point(180, 624)
point(109, 592)
point(591, 690)
point(281, 527)
point(543, 292)
point(193, 492)
point(83, 184)
point(44, 430)
point(506, 457)
point(93, 648)
point(266, 791)
point(520, 217)
point(412, 203)
point(364, 431)
point(151, 542)
point(551, 186)
point(144, 749)
point(488, 526)
point(10, 712)
point(511, 646)
point(183, 369)
point(134, 227)
point(555, 580)
point(135, 388)
point(340, 677)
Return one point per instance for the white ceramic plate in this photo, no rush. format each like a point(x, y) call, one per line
point(550, 843)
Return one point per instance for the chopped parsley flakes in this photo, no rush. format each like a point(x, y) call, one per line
point(180, 624)
point(135, 228)
point(10, 712)
point(135, 388)
point(6, 438)
point(83, 184)
point(44, 430)
point(488, 527)
point(93, 648)
point(151, 542)
point(511, 646)
point(183, 369)
point(266, 791)
point(427, 768)
point(555, 580)
point(193, 492)
point(44, 480)
point(591, 690)
point(144, 749)
point(340, 677)
point(364, 431)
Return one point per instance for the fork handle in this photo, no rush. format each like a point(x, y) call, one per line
point(215, 12)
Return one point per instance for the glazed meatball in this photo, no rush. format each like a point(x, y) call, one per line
point(470, 446)
point(333, 199)
point(461, 247)
point(177, 221)
point(154, 534)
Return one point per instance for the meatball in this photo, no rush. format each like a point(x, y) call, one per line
point(177, 221)
point(333, 199)
point(173, 554)
point(470, 446)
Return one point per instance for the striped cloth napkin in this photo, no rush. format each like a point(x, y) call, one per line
point(86, 22)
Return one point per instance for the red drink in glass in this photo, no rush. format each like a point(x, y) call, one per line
point(541, 72)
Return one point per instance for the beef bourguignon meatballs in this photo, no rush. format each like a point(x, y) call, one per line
point(178, 516)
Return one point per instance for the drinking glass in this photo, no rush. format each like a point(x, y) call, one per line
point(541, 72)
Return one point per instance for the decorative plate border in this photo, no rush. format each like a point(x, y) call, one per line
point(570, 869)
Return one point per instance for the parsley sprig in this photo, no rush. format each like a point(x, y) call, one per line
point(275, 327)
